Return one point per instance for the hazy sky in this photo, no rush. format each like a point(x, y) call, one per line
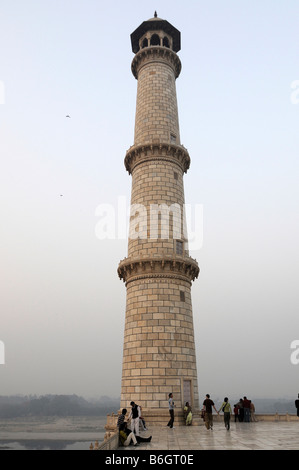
point(62, 305)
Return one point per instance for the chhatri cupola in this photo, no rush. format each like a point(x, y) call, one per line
point(156, 32)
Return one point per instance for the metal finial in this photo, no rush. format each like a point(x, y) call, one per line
point(155, 15)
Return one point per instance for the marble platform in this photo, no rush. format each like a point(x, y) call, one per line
point(242, 436)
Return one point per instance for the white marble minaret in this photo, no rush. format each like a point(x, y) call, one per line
point(159, 348)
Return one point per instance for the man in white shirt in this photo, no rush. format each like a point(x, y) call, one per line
point(134, 415)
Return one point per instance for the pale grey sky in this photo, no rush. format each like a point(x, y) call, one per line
point(62, 305)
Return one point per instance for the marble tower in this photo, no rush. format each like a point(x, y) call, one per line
point(159, 347)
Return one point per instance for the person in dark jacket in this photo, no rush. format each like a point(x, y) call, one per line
point(208, 404)
point(121, 417)
point(246, 407)
point(134, 416)
point(241, 410)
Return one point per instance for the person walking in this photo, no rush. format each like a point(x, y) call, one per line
point(134, 415)
point(208, 404)
point(226, 408)
point(171, 410)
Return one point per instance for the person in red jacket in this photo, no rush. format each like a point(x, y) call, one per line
point(246, 406)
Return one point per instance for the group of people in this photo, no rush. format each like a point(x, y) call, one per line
point(129, 430)
point(187, 412)
point(244, 410)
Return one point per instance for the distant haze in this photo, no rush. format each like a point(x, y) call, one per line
point(62, 305)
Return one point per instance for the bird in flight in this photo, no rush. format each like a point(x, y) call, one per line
point(67, 116)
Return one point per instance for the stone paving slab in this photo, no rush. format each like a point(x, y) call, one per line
point(242, 436)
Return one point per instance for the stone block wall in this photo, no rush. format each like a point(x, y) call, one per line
point(157, 202)
point(159, 350)
point(156, 108)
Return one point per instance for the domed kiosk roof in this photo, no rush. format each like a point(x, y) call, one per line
point(154, 24)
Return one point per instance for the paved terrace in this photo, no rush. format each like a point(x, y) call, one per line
point(242, 436)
